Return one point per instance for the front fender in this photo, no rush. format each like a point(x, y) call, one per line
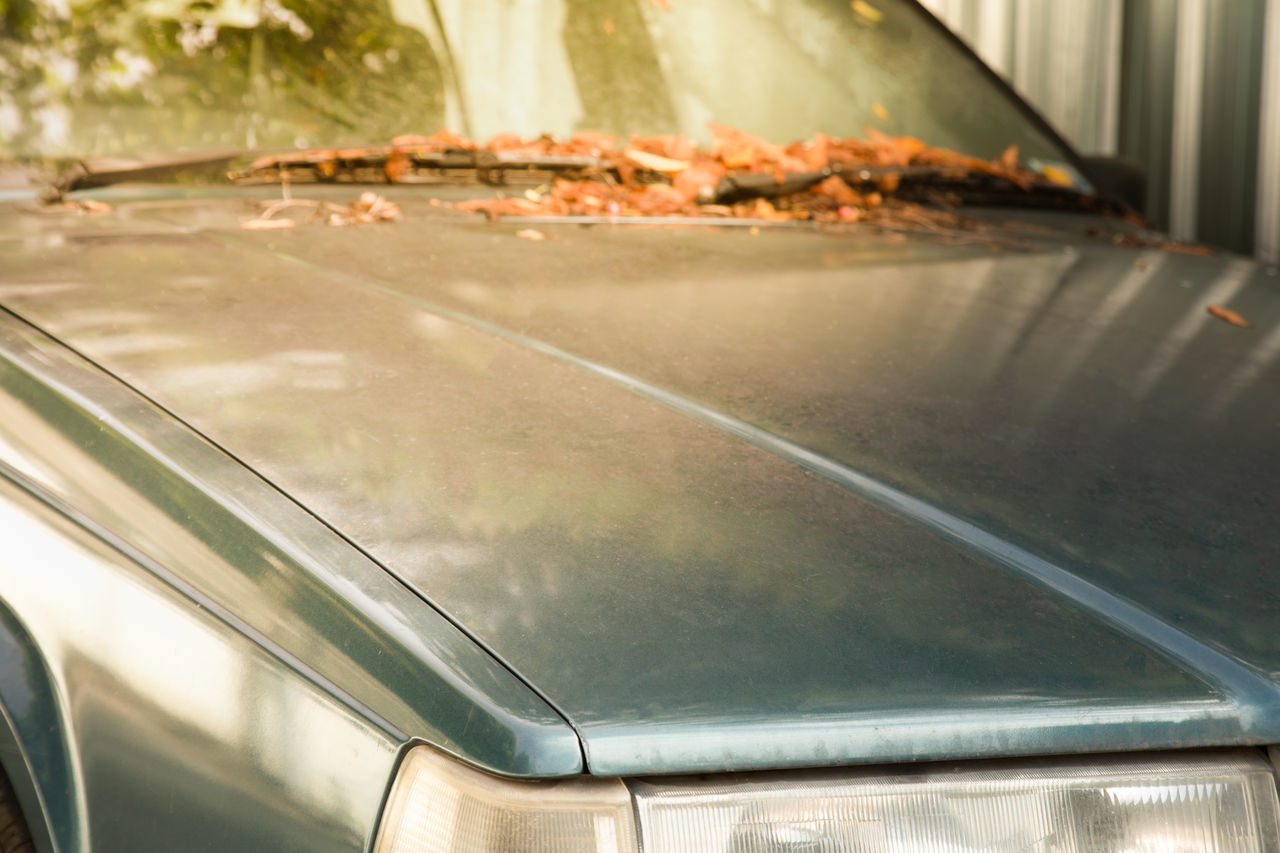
point(149, 724)
point(33, 742)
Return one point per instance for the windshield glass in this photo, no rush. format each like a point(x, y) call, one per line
point(88, 78)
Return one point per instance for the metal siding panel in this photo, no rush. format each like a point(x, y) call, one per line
point(1267, 227)
point(1188, 102)
point(1146, 97)
point(994, 35)
point(1023, 30)
point(1191, 90)
point(1065, 59)
point(1111, 37)
point(1227, 189)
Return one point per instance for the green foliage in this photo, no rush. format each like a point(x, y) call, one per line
point(99, 77)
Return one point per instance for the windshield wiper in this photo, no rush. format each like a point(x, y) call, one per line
point(91, 174)
point(948, 185)
point(401, 165)
point(382, 164)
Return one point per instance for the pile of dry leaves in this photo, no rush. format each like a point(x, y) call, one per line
point(670, 176)
point(876, 179)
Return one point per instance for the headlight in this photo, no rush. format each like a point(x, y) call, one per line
point(440, 806)
point(1183, 804)
point(1179, 804)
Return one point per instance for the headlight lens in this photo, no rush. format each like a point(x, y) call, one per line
point(1178, 804)
point(437, 805)
point(1175, 806)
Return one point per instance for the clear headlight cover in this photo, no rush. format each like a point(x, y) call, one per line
point(1175, 805)
point(438, 805)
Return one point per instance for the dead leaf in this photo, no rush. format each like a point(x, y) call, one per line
point(87, 205)
point(692, 182)
point(503, 205)
point(531, 234)
point(1057, 176)
point(880, 111)
point(867, 12)
point(608, 26)
point(836, 188)
point(764, 210)
point(267, 224)
point(1185, 248)
point(655, 162)
point(594, 142)
point(1227, 315)
point(1009, 159)
point(397, 166)
point(741, 157)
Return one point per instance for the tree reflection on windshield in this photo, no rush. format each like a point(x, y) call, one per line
point(97, 78)
point(106, 78)
point(616, 94)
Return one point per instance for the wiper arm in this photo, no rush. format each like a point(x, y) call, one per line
point(948, 184)
point(380, 164)
point(404, 165)
point(90, 174)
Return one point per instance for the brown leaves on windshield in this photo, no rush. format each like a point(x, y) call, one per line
point(822, 179)
point(893, 181)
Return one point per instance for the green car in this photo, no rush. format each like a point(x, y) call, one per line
point(922, 505)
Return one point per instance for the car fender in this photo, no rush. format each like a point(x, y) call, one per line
point(152, 724)
point(33, 742)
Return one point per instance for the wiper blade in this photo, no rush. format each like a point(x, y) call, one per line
point(980, 189)
point(735, 188)
point(950, 185)
point(380, 164)
point(407, 165)
point(91, 174)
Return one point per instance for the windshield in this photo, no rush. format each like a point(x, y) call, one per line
point(90, 78)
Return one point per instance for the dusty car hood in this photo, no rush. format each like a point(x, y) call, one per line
point(734, 500)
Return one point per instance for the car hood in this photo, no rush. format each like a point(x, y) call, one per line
point(735, 498)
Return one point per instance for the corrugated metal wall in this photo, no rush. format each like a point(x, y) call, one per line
point(1188, 88)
